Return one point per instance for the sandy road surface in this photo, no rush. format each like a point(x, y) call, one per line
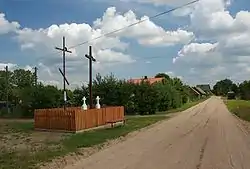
point(204, 137)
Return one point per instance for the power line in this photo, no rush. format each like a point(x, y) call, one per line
point(136, 23)
point(131, 25)
point(146, 58)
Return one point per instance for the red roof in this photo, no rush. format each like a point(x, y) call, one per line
point(150, 80)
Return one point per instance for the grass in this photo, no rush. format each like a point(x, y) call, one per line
point(240, 108)
point(183, 107)
point(100, 136)
point(23, 148)
point(20, 126)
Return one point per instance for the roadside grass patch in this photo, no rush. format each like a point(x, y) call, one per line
point(22, 147)
point(240, 108)
point(183, 107)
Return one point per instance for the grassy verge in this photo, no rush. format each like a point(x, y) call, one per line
point(240, 108)
point(21, 147)
point(183, 107)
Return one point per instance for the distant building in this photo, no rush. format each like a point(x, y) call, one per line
point(231, 95)
point(194, 94)
point(202, 93)
point(151, 80)
point(206, 88)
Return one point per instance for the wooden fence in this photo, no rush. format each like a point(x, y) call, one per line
point(75, 119)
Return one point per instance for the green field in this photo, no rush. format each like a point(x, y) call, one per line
point(240, 108)
point(183, 107)
point(22, 147)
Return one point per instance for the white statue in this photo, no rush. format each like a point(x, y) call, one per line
point(65, 96)
point(84, 105)
point(98, 106)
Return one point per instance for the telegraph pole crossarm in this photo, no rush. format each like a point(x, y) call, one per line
point(64, 76)
point(91, 59)
point(64, 50)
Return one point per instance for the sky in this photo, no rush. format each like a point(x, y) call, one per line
point(200, 44)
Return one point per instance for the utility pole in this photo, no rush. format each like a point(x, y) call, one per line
point(91, 59)
point(7, 88)
point(64, 49)
point(35, 75)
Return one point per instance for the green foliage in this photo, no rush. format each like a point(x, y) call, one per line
point(222, 87)
point(141, 98)
point(240, 108)
point(165, 98)
point(145, 98)
point(244, 90)
point(164, 75)
point(25, 96)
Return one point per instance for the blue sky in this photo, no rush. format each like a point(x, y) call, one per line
point(151, 56)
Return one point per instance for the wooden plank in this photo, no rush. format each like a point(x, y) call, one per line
point(74, 119)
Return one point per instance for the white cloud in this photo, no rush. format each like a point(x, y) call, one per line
point(221, 48)
point(162, 2)
point(229, 53)
point(225, 51)
point(108, 51)
point(50, 82)
point(173, 75)
point(108, 55)
point(206, 62)
point(196, 53)
point(170, 73)
point(6, 26)
point(147, 32)
point(104, 50)
point(11, 66)
point(28, 67)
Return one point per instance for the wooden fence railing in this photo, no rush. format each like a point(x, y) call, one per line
point(75, 119)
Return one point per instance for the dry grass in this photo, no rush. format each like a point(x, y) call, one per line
point(20, 146)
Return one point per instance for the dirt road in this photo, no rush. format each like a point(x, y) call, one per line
point(204, 137)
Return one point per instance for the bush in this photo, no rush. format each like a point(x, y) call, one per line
point(141, 98)
point(164, 96)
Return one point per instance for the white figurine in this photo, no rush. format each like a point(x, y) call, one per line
point(98, 106)
point(84, 106)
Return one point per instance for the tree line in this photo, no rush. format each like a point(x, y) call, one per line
point(241, 90)
point(25, 95)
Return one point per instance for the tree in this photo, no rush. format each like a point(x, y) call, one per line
point(22, 78)
point(144, 98)
point(164, 95)
point(244, 90)
point(222, 87)
point(107, 88)
point(78, 94)
point(235, 88)
point(164, 75)
point(3, 85)
point(39, 97)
